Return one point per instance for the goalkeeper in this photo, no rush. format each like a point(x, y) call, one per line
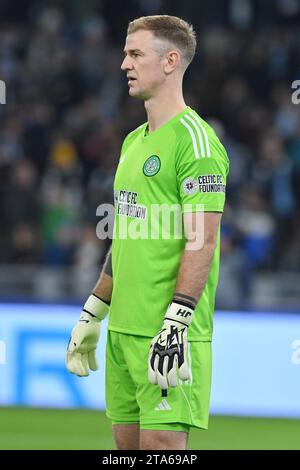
point(158, 287)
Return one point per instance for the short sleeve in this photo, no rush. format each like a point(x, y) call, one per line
point(201, 176)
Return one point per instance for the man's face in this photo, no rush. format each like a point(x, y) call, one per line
point(143, 65)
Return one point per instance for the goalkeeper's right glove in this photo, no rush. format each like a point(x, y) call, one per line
point(81, 352)
point(168, 355)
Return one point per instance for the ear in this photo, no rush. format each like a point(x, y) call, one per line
point(172, 61)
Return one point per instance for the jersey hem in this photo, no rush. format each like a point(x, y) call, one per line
point(205, 209)
point(159, 420)
point(146, 334)
point(122, 419)
point(173, 419)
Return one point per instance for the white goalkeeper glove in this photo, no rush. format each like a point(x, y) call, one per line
point(81, 352)
point(168, 356)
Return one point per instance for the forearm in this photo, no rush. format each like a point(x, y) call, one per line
point(169, 348)
point(193, 273)
point(104, 285)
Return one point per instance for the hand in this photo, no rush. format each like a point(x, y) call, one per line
point(168, 356)
point(168, 352)
point(81, 351)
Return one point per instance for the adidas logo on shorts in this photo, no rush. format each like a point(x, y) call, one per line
point(163, 406)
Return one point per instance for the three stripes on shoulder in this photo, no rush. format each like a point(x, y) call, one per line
point(198, 134)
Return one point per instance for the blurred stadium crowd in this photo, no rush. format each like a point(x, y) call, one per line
point(68, 110)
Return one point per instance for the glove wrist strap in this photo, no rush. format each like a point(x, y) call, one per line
point(96, 307)
point(179, 312)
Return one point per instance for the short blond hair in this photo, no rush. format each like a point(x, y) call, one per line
point(175, 31)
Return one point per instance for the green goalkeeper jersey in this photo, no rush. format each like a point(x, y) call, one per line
point(180, 167)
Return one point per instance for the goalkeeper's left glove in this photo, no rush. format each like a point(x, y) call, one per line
point(169, 348)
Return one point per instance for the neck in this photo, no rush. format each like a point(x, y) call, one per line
point(163, 107)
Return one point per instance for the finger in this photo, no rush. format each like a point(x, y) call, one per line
point(72, 363)
point(92, 359)
point(184, 370)
point(85, 365)
point(172, 375)
point(69, 363)
point(162, 377)
point(78, 366)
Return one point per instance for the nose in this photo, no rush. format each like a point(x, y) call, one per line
point(126, 64)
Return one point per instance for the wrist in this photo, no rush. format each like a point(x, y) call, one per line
point(96, 307)
point(180, 313)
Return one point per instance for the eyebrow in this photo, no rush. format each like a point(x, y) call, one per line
point(130, 51)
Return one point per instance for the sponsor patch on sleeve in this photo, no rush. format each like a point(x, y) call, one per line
point(190, 185)
point(211, 184)
point(204, 184)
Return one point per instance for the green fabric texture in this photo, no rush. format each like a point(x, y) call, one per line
point(130, 398)
point(180, 167)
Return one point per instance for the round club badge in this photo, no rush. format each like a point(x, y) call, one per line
point(151, 165)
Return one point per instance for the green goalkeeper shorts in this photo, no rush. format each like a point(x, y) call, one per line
point(130, 398)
